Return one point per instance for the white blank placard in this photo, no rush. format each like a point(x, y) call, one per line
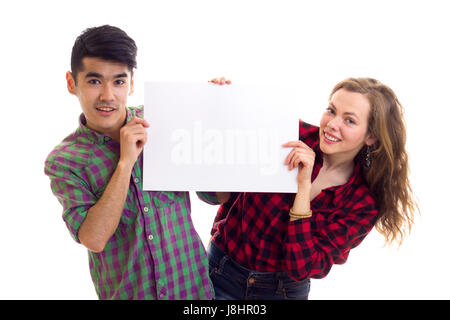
point(207, 137)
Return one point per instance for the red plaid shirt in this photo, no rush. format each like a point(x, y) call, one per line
point(255, 231)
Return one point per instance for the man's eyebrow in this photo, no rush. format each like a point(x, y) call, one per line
point(121, 75)
point(93, 75)
point(98, 75)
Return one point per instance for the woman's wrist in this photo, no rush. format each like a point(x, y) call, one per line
point(301, 207)
point(302, 215)
point(304, 188)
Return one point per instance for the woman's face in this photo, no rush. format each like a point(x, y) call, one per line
point(344, 125)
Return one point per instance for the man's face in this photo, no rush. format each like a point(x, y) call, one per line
point(102, 88)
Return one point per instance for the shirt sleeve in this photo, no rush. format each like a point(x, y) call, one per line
point(311, 252)
point(223, 210)
point(73, 194)
point(208, 197)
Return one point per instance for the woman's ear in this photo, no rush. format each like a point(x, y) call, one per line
point(371, 140)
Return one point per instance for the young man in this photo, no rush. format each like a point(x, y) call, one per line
point(142, 245)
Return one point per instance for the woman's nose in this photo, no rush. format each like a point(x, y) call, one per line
point(334, 123)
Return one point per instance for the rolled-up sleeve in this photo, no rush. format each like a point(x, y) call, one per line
point(311, 251)
point(208, 197)
point(73, 194)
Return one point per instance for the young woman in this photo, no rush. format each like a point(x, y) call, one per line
point(352, 175)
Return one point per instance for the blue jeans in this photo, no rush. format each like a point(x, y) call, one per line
point(233, 282)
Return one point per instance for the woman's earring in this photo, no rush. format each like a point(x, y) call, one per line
point(368, 159)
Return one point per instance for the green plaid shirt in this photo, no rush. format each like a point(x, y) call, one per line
point(155, 253)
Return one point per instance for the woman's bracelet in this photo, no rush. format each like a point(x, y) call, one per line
point(296, 216)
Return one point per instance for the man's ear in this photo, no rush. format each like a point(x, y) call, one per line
point(70, 83)
point(131, 85)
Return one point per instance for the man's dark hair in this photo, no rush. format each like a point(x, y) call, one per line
point(105, 42)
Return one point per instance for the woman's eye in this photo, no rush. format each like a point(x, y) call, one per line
point(330, 110)
point(350, 121)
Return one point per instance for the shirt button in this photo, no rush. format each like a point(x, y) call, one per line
point(146, 209)
point(251, 281)
point(150, 237)
point(161, 295)
point(136, 180)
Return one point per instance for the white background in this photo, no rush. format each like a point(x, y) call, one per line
point(311, 45)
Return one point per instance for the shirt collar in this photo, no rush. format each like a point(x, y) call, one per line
point(94, 136)
point(341, 190)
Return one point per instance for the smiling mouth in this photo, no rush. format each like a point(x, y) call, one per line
point(330, 137)
point(105, 109)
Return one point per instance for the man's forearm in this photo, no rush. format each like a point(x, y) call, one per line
point(103, 218)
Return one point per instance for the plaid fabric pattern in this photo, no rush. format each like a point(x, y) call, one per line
point(255, 231)
point(155, 253)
